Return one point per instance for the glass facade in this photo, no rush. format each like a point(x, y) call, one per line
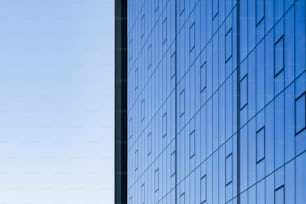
point(216, 101)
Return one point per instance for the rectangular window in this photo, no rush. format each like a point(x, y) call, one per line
point(149, 143)
point(130, 128)
point(191, 37)
point(149, 56)
point(182, 103)
point(280, 195)
point(300, 113)
point(229, 169)
point(192, 144)
point(136, 159)
point(142, 194)
point(215, 8)
point(172, 167)
point(182, 198)
point(260, 11)
point(260, 145)
point(156, 5)
point(172, 65)
point(243, 92)
point(142, 110)
point(279, 56)
point(142, 26)
point(136, 78)
point(203, 75)
point(182, 7)
point(203, 185)
point(228, 45)
point(164, 31)
point(164, 125)
point(156, 180)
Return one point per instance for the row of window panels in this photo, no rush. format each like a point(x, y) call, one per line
point(193, 25)
point(294, 112)
point(284, 185)
point(217, 9)
point(152, 9)
point(213, 11)
point(145, 151)
point(291, 23)
point(192, 150)
point(276, 144)
point(144, 19)
point(217, 173)
point(193, 36)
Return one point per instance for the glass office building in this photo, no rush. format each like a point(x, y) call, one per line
point(216, 101)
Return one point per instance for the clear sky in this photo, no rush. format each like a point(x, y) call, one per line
point(56, 101)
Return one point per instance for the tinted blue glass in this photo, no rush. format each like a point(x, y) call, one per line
point(244, 92)
point(300, 113)
point(228, 45)
point(279, 196)
point(229, 169)
point(188, 108)
point(203, 188)
point(164, 125)
point(260, 145)
point(156, 180)
point(182, 199)
point(192, 144)
point(191, 37)
point(279, 56)
point(260, 10)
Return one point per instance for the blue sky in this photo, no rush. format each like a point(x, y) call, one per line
point(56, 101)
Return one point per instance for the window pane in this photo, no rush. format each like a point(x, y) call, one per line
point(279, 195)
point(156, 180)
point(260, 145)
point(300, 113)
point(279, 56)
point(182, 103)
point(229, 169)
point(228, 45)
point(203, 189)
point(203, 76)
point(244, 92)
point(164, 125)
point(192, 144)
point(191, 37)
point(172, 167)
point(260, 10)
point(164, 35)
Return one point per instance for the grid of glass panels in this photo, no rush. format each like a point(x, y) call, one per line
point(216, 101)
